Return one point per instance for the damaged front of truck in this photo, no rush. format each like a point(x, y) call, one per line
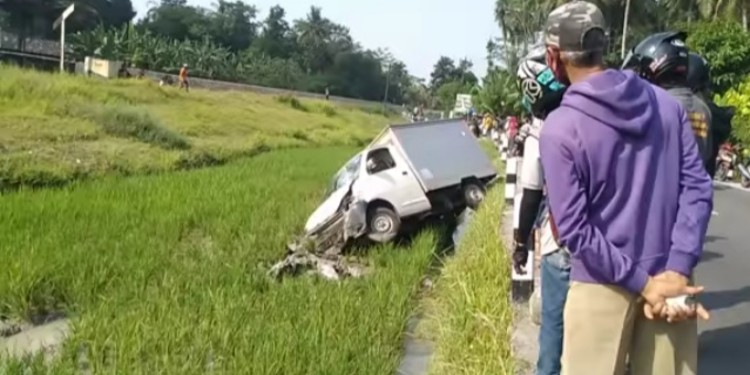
point(331, 227)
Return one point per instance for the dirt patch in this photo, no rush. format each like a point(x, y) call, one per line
point(19, 340)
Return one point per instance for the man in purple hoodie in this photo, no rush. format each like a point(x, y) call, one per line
point(631, 200)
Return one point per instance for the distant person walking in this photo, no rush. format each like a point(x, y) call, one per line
point(184, 78)
point(328, 94)
point(631, 200)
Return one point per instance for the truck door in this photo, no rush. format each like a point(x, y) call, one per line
point(391, 179)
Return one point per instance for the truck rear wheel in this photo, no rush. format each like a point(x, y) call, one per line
point(473, 194)
point(383, 224)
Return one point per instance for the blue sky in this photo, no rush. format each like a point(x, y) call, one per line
point(417, 32)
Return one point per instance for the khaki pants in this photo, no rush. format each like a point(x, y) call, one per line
point(605, 327)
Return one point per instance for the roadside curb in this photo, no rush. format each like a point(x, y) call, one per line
point(731, 185)
point(525, 346)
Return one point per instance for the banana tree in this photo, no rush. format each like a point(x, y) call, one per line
point(729, 9)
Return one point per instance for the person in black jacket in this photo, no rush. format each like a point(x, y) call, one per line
point(662, 59)
point(699, 80)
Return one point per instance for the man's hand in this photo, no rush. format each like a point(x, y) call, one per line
point(681, 307)
point(678, 310)
point(669, 285)
point(520, 257)
point(674, 311)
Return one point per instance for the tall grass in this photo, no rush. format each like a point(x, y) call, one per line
point(166, 274)
point(56, 129)
point(469, 313)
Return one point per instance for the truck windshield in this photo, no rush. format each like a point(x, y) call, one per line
point(346, 174)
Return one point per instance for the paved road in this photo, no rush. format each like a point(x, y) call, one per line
point(725, 272)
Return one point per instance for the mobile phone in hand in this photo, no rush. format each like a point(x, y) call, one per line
point(685, 300)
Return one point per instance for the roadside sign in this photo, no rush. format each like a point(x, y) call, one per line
point(69, 10)
point(65, 14)
point(463, 103)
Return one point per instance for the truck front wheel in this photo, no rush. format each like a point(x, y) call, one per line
point(473, 194)
point(383, 224)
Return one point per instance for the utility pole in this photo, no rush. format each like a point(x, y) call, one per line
point(60, 22)
point(387, 84)
point(387, 60)
point(626, 19)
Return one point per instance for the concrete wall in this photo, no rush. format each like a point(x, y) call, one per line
point(103, 68)
point(31, 45)
point(224, 85)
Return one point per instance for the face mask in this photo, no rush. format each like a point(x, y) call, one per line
point(556, 66)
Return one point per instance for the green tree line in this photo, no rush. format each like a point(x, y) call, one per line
point(231, 41)
point(717, 29)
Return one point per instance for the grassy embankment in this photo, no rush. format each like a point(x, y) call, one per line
point(166, 274)
point(56, 129)
point(469, 312)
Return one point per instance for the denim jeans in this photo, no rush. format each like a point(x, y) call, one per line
point(555, 275)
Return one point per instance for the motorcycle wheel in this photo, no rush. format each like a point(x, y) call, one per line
point(721, 173)
point(745, 182)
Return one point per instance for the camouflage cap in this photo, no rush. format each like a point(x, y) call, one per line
point(576, 27)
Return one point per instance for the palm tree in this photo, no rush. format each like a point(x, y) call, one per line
point(727, 9)
point(314, 32)
point(687, 10)
point(314, 29)
point(521, 23)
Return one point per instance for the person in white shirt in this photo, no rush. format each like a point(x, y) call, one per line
point(541, 94)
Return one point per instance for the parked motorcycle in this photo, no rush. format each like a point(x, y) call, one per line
point(725, 165)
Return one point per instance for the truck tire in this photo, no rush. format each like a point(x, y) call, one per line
point(383, 224)
point(473, 194)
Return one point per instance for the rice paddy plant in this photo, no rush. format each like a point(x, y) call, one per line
point(166, 274)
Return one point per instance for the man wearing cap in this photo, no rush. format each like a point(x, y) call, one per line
point(631, 201)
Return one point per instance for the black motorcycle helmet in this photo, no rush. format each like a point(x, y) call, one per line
point(661, 58)
point(698, 76)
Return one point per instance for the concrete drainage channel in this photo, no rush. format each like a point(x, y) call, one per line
point(418, 352)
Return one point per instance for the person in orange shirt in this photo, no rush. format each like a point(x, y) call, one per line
point(184, 77)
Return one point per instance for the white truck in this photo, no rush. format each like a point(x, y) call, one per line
point(406, 174)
